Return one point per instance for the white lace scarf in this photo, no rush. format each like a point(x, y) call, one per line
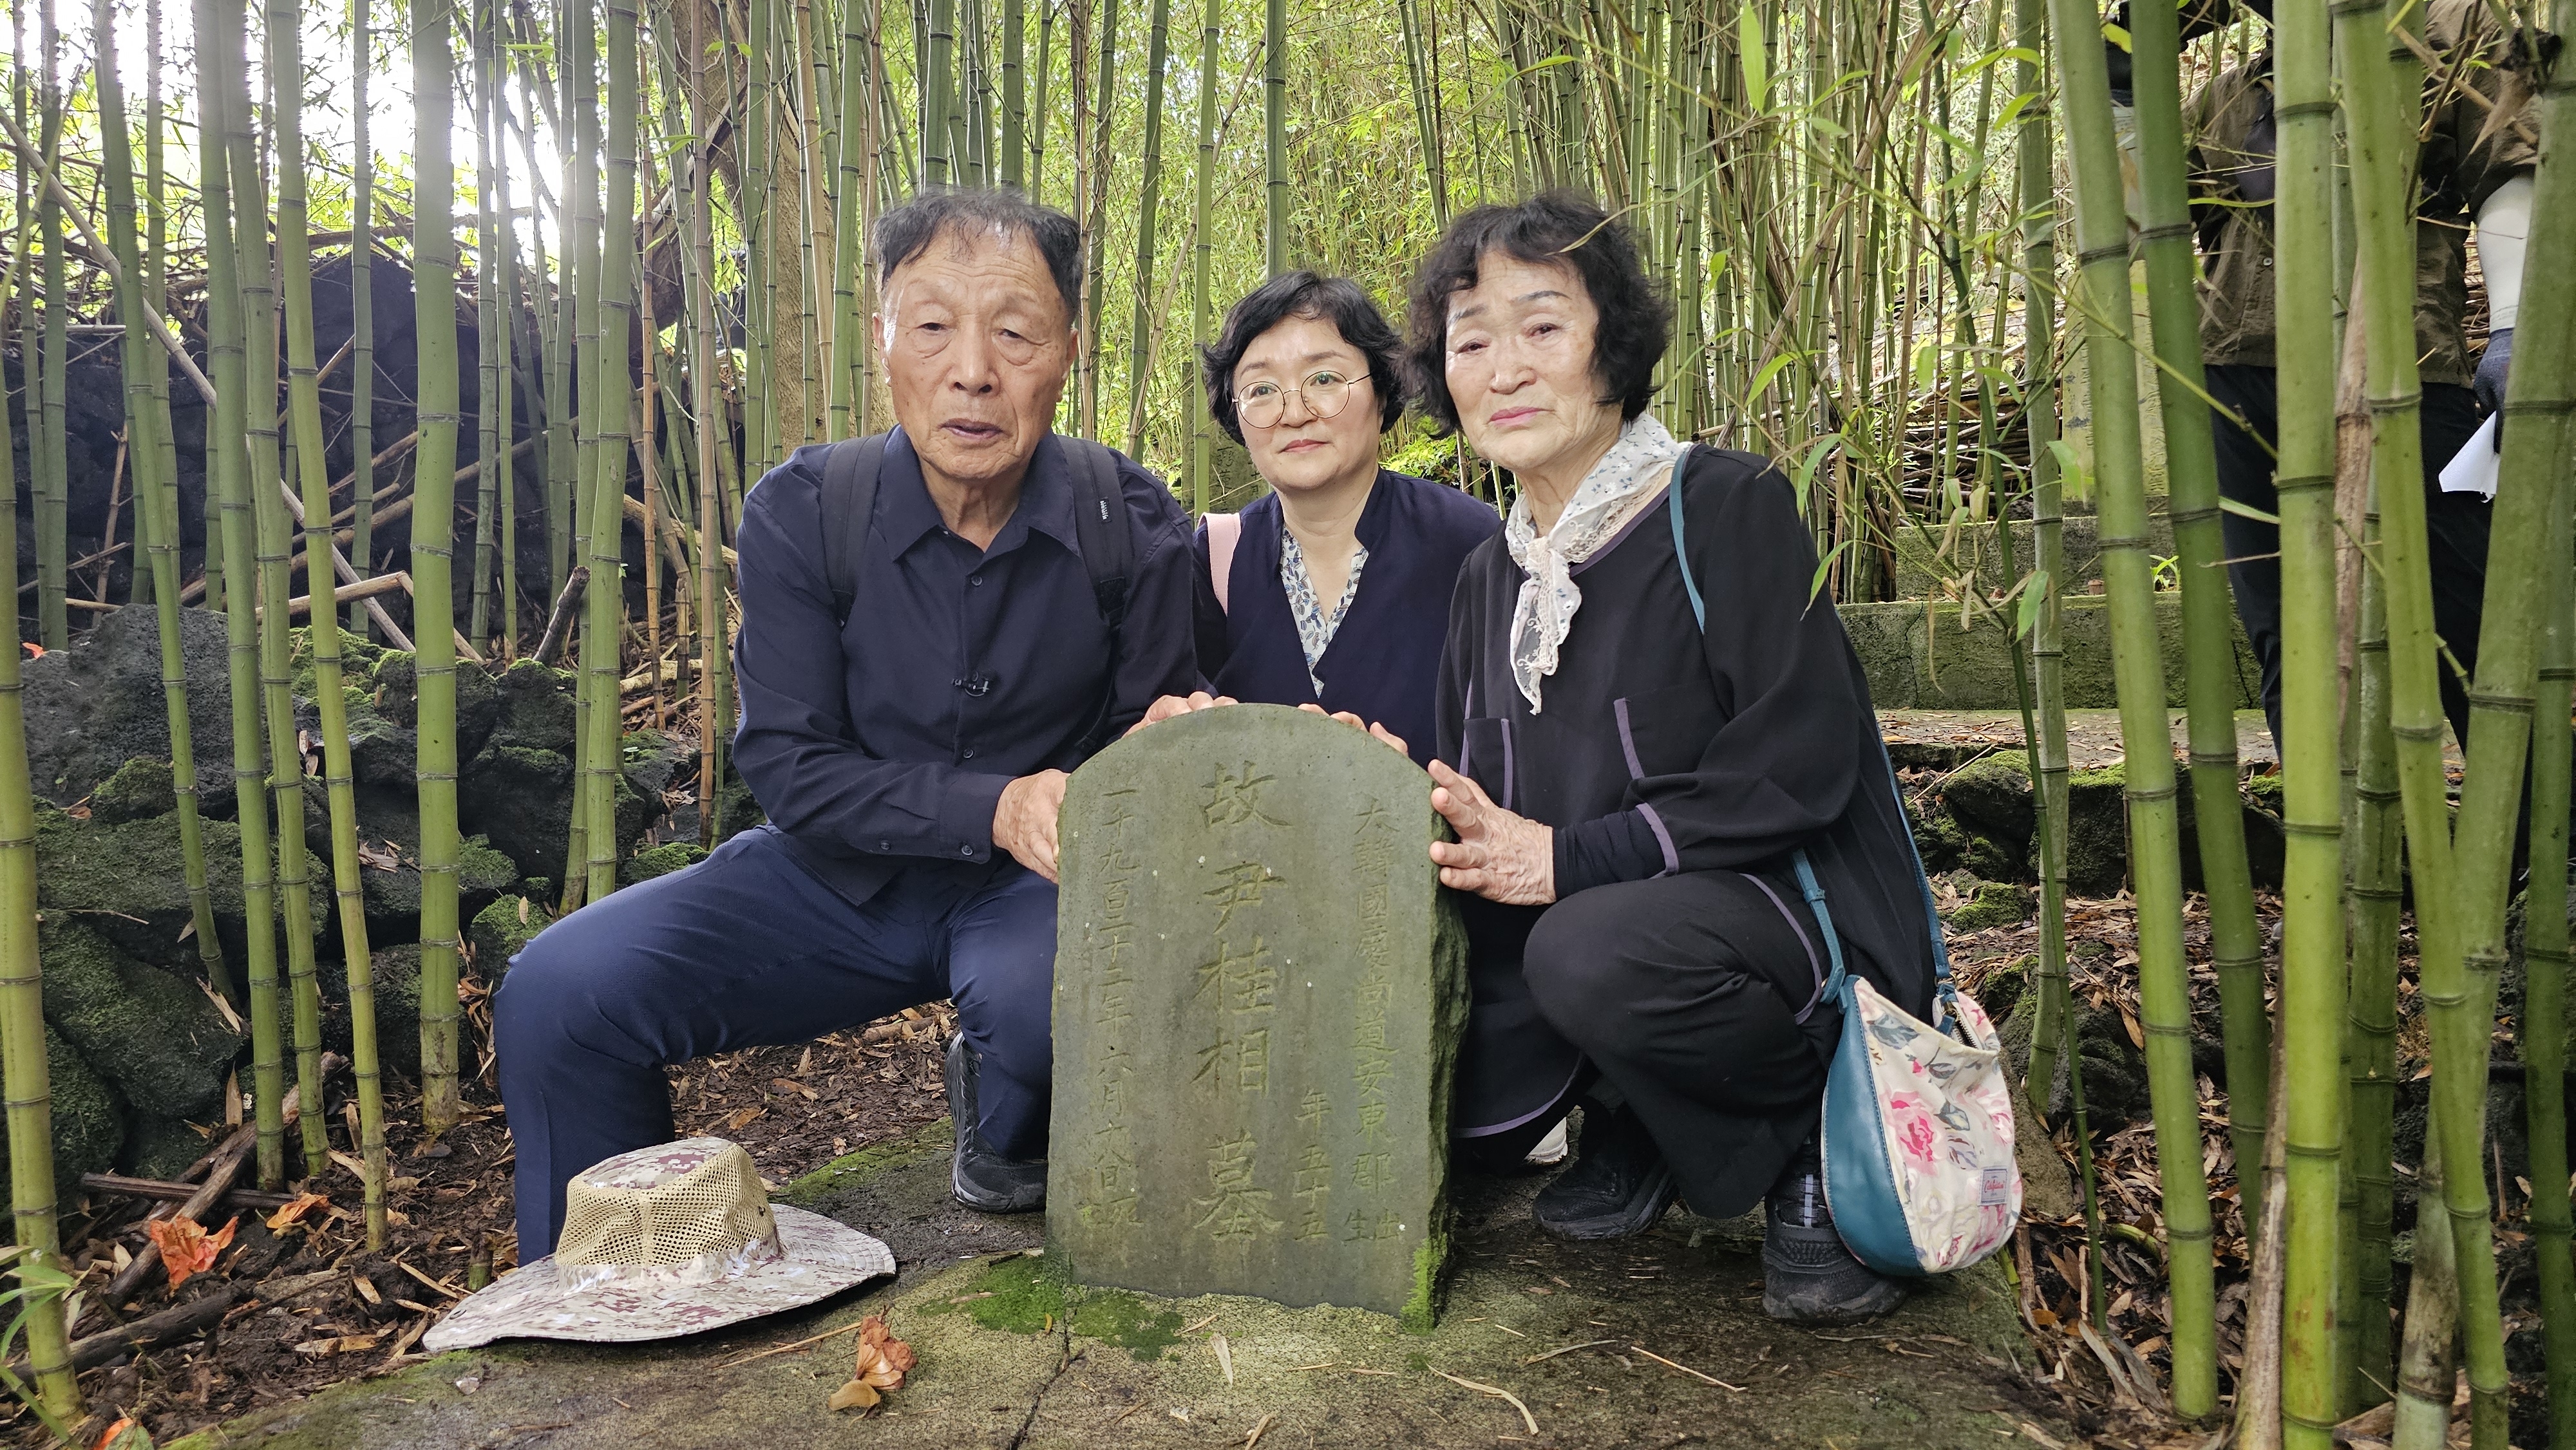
point(1609, 496)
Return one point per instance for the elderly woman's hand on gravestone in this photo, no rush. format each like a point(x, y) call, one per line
point(1373, 731)
point(1168, 706)
point(1498, 855)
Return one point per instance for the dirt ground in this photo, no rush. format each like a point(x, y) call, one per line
point(329, 1311)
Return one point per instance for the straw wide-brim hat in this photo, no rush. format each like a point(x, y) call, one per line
point(666, 1241)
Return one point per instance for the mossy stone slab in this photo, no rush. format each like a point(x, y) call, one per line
point(1258, 997)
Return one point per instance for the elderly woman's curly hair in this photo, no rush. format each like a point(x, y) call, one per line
point(1554, 227)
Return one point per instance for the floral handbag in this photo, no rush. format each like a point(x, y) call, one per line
point(1918, 1130)
point(1918, 1123)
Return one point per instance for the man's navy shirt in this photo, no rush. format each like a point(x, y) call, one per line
point(885, 742)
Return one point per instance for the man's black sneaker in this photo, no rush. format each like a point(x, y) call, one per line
point(1618, 1186)
point(982, 1179)
point(1809, 1277)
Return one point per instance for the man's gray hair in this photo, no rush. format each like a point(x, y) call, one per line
point(905, 232)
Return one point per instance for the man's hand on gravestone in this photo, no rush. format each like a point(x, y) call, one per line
point(1024, 820)
point(1374, 732)
point(1499, 856)
point(1167, 706)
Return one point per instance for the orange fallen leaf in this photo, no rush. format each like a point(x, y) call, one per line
point(186, 1248)
point(881, 1364)
point(108, 1437)
point(293, 1213)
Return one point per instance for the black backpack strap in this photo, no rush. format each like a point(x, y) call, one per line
point(1100, 525)
point(849, 507)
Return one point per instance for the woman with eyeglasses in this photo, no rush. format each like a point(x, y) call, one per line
point(1333, 589)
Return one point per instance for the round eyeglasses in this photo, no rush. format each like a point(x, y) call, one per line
point(1326, 393)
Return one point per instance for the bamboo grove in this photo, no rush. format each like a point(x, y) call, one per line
point(1908, 246)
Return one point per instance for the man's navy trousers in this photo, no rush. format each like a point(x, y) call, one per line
point(749, 949)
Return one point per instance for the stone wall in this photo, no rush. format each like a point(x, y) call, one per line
point(139, 1043)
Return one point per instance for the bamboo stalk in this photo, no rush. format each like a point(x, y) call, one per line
point(223, 100)
point(2312, 929)
point(362, 302)
point(2426, 1367)
point(25, 1077)
point(432, 553)
point(263, 288)
point(1274, 133)
point(2377, 892)
point(51, 451)
point(2532, 490)
point(1203, 257)
point(2209, 660)
point(2155, 866)
point(2545, 956)
point(156, 522)
point(304, 402)
point(1140, 342)
point(2378, 121)
point(603, 630)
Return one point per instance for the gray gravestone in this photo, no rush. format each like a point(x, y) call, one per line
point(1258, 996)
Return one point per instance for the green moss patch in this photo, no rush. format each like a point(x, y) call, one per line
point(1129, 1322)
point(1017, 1296)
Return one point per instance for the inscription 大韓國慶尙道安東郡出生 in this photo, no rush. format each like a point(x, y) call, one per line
point(1258, 998)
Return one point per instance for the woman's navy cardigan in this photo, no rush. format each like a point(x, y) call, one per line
point(1384, 662)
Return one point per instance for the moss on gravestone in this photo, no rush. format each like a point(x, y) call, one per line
point(660, 861)
point(499, 931)
point(158, 1039)
point(139, 790)
point(89, 1120)
point(1266, 970)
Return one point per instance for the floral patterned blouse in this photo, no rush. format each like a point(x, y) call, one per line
point(1315, 626)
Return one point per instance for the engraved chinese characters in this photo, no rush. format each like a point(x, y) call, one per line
point(1257, 1006)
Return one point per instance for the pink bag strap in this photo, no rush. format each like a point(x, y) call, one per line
point(1224, 531)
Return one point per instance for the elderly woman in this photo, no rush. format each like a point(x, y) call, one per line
point(1628, 788)
point(1331, 591)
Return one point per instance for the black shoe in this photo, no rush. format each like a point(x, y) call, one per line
point(982, 1179)
point(1616, 1189)
point(1809, 1277)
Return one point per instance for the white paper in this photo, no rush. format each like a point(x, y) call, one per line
point(2473, 468)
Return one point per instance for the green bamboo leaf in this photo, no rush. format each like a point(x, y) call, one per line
point(2070, 468)
point(1816, 585)
point(1771, 370)
point(1757, 61)
point(2034, 597)
point(1804, 476)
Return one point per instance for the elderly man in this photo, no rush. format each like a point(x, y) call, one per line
point(938, 623)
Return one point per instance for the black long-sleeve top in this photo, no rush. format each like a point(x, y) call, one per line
point(887, 741)
point(1661, 747)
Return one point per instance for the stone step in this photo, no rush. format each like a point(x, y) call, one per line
point(1949, 739)
point(1918, 658)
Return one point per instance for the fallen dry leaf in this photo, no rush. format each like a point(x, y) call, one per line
point(109, 1436)
point(881, 1363)
point(293, 1213)
point(186, 1248)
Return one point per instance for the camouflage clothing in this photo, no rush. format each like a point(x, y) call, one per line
point(2467, 153)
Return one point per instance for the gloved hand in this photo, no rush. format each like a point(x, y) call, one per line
point(2489, 382)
